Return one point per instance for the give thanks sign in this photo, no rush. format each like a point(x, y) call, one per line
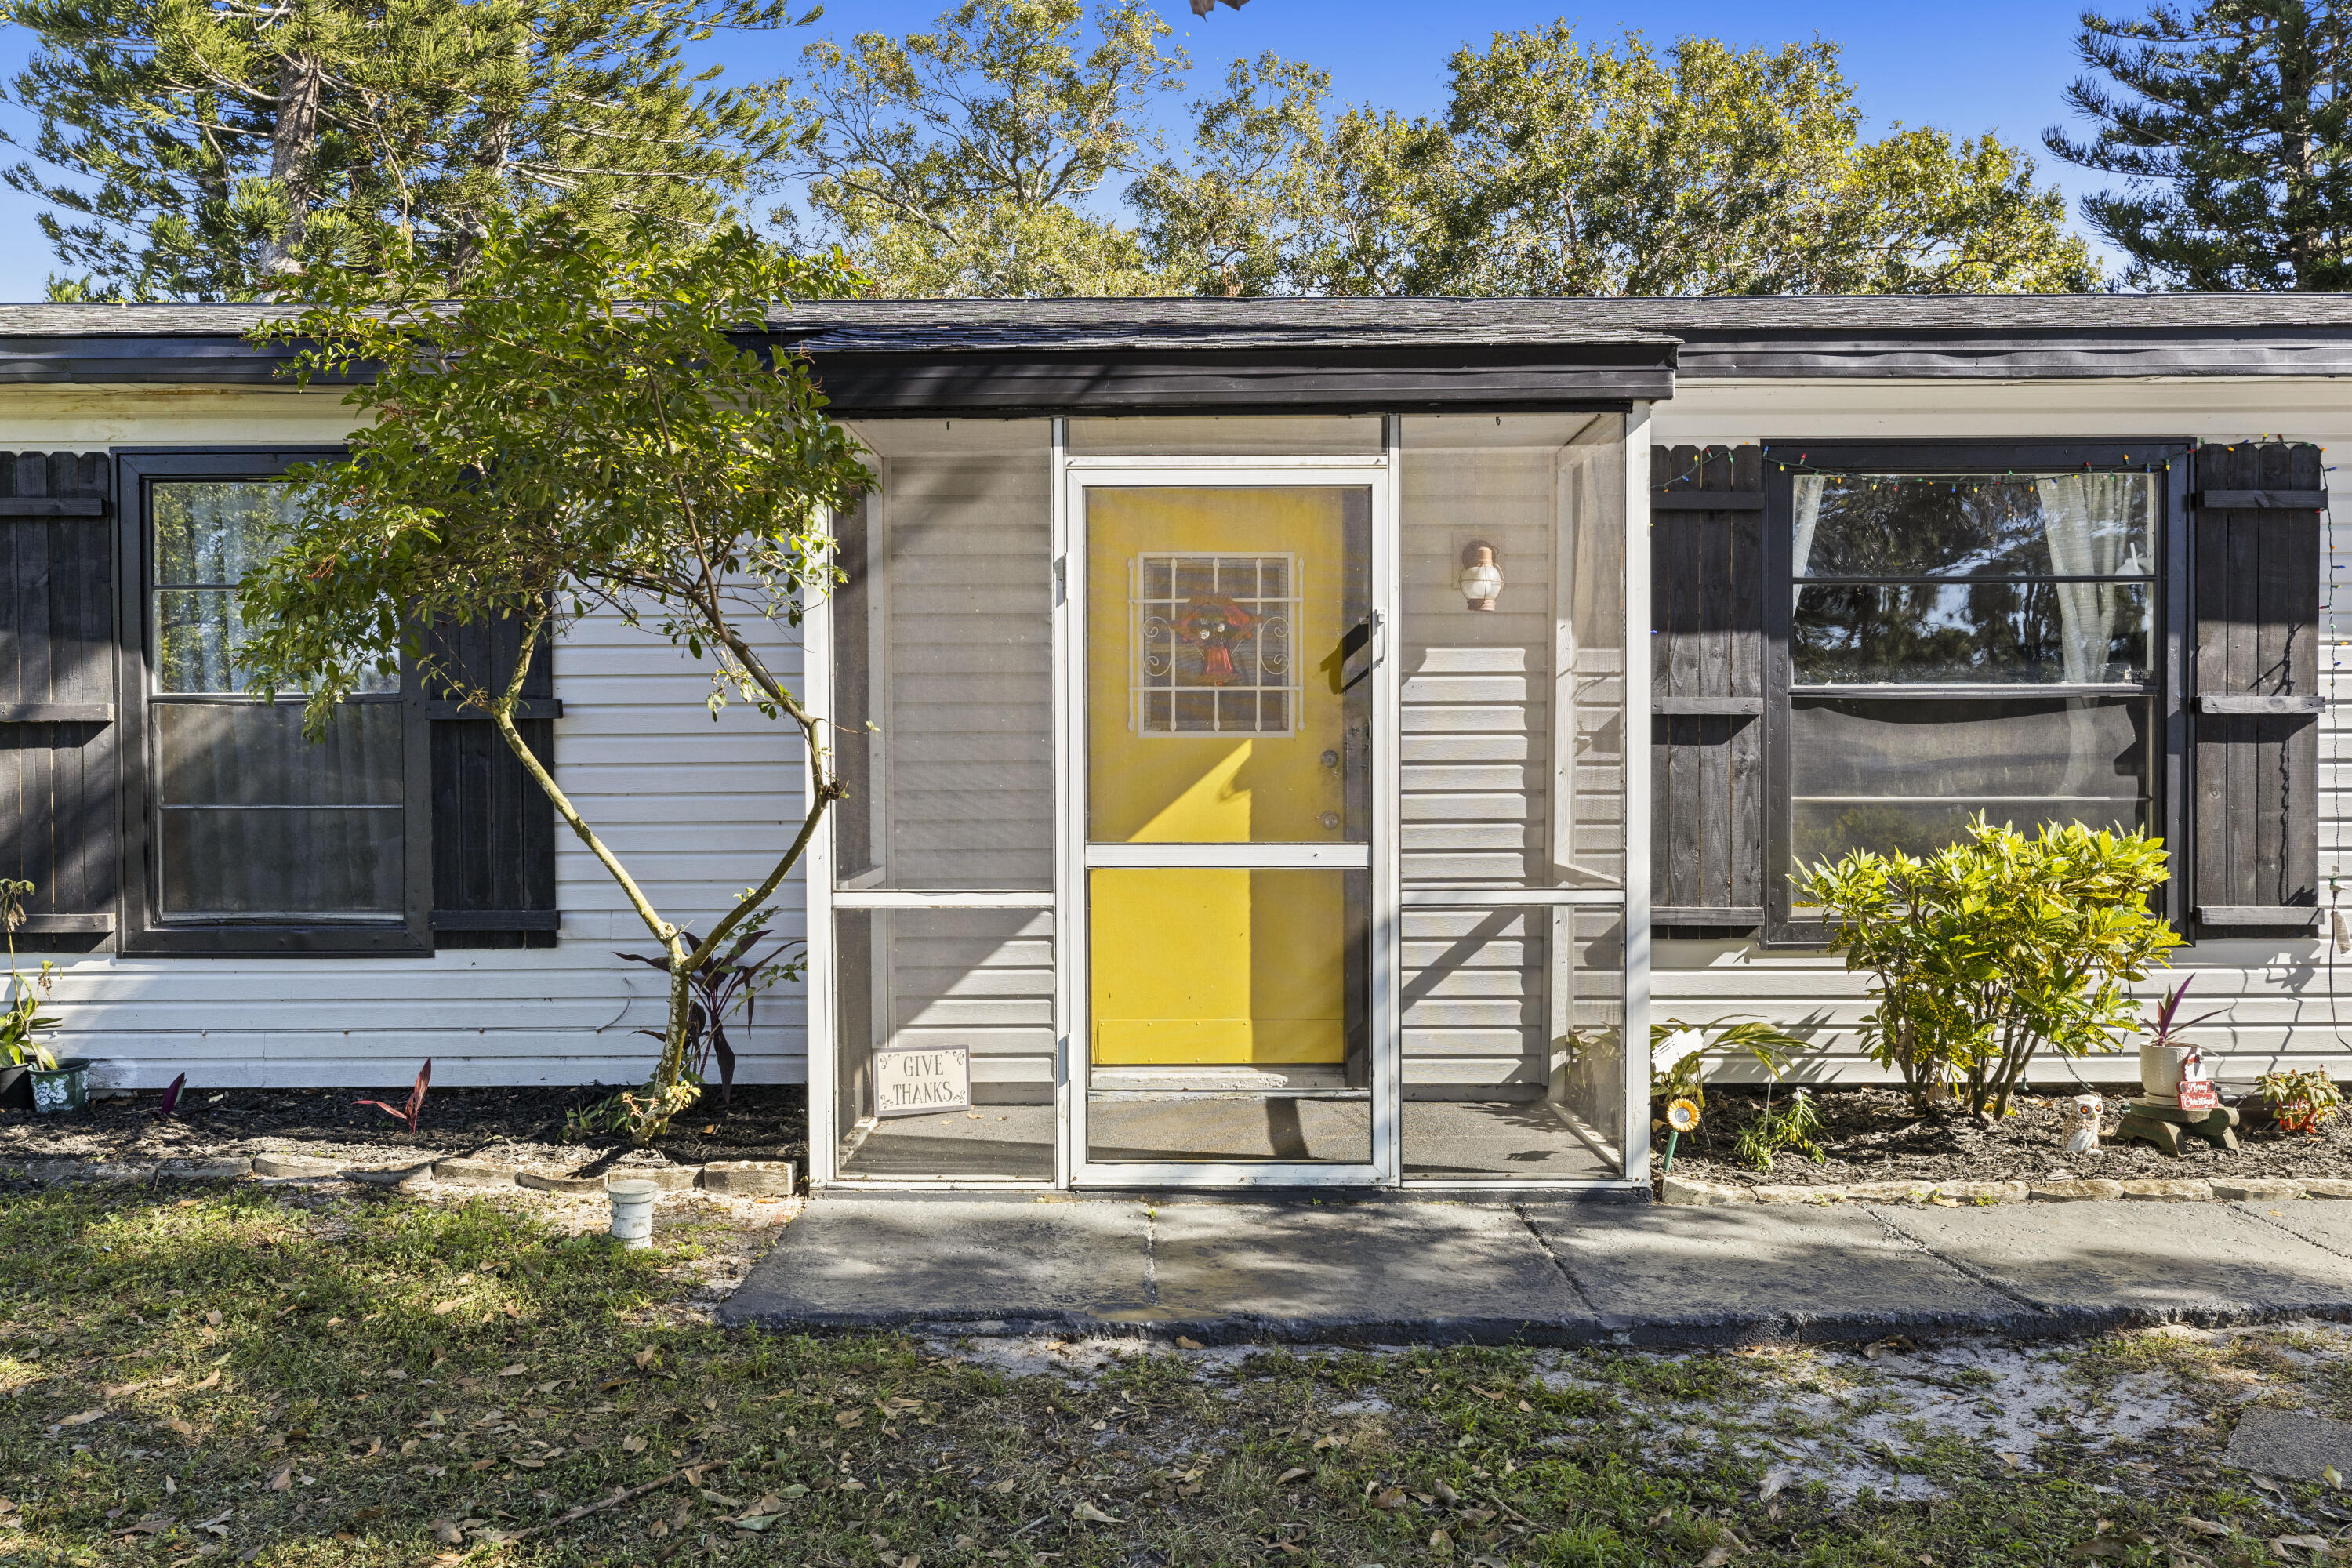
point(911, 1083)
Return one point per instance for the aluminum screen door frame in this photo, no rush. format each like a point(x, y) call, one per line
point(1075, 857)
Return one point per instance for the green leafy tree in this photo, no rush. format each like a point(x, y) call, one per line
point(962, 162)
point(1276, 198)
point(1985, 951)
point(1563, 169)
point(197, 151)
point(2228, 126)
point(581, 432)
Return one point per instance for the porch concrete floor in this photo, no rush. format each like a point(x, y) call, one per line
point(1401, 1270)
point(1015, 1143)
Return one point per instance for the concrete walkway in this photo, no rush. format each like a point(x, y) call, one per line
point(1404, 1271)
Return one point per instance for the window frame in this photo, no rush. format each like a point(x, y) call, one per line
point(142, 929)
point(2171, 648)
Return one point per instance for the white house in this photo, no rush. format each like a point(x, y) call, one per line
point(1237, 700)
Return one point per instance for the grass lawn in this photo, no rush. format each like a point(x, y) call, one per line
point(291, 1375)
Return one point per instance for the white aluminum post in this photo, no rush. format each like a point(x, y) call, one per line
point(1069, 1064)
point(1387, 955)
point(1636, 1053)
point(823, 1042)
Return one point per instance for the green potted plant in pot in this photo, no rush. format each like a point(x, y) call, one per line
point(31, 1075)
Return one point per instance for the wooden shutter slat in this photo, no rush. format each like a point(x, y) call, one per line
point(493, 827)
point(2256, 709)
point(1708, 671)
point(60, 763)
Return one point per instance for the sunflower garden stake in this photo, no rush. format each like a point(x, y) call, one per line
point(1682, 1117)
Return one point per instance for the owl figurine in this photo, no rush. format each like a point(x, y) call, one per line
point(2085, 1124)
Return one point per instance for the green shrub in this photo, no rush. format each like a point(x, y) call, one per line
point(1991, 949)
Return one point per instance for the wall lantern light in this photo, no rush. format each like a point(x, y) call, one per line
point(1482, 579)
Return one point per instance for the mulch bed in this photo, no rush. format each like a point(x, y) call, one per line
point(515, 1126)
point(1873, 1135)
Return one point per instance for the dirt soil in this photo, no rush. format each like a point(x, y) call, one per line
point(517, 1126)
point(1873, 1135)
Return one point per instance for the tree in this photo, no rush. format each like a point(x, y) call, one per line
point(2228, 126)
point(960, 162)
point(1561, 170)
point(581, 432)
point(1277, 199)
point(212, 150)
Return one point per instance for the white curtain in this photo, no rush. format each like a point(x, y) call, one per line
point(2092, 523)
point(1809, 516)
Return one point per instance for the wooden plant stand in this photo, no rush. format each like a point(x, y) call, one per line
point(2163, 1124)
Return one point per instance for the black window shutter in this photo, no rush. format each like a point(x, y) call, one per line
point(493, 827)
point(2256, 703)
point(60, 826)
point(1707, 729)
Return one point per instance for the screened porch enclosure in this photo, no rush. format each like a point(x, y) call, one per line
point(1233, 801)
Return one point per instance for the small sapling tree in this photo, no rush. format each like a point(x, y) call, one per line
point(588, 429)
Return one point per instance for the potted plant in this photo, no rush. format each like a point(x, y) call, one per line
point(31, 1077)
point(2299, 1101)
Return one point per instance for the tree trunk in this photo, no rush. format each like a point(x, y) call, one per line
point(294, 157)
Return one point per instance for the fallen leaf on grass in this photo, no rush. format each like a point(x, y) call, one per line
point(850, 1418)
point(1393, 1498)
point(117, 1390)
point(532, 1464)
point(1088, 1513)
point(757, 1522)
point(1183, 1343)
point(2268, 1484)
point(1292, 1474)
point(1005, 1484)
point(446, 1533)
point(517, 1370)
point(214, 1318)
point(1441, 1542)
point(1329, 1441)
point(1775, 1481)
point(282, 1481)
point(212, 1382)
point(443, 1308)
point(2318, 1545)
point(644, 1358)
point(1723, 1551)
point(86, 1417)
point(479, 1465)
point(2014, 1461)
point(632, 1443)
point(2205, 1526)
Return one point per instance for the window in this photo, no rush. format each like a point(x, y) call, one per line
point(1965, 630)
point(247, 836)
point(1212, 643)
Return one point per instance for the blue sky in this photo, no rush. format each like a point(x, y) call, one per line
point(1996, 66)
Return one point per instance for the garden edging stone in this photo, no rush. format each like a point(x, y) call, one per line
point(1688, 1192)
point(724, 1178)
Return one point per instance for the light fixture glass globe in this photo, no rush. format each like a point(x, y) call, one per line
point(1482, 579)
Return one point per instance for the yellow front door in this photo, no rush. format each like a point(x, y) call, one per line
point(1216, 629)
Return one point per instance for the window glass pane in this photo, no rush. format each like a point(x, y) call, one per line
point(1224, 649)
point(255, 753)
point(1513, 714)
point(257, 821)
point(209, 533)
point(1908, 776)
point(255, 862)
point(1226, 1016)
point(944, 661)
point(1230, 436)
point(1512, 1065)
point(922, 978)
point(1969, 632)
point(1975, 525)
point(197, 637)
point(215, 530)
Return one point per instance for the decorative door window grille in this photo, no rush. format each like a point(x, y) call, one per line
point(1211, 635)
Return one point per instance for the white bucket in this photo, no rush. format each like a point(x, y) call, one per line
point(632, 1212)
